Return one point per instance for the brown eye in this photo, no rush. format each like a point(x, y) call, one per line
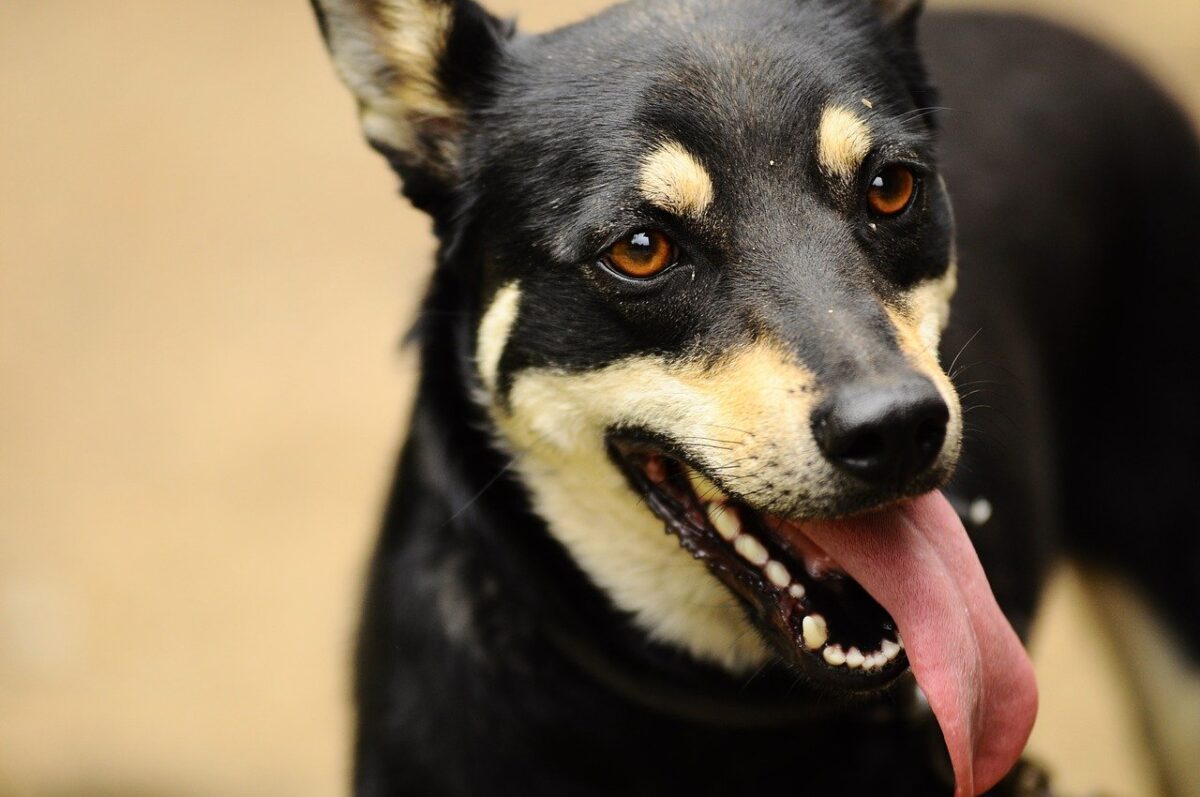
point(641, 254)
point(891, 190)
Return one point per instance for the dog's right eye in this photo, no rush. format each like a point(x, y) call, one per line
point(642, 254)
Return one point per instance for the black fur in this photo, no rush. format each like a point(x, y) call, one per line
point(487, 663)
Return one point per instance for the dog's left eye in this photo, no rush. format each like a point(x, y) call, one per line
point(642, 254)
point(891, 190)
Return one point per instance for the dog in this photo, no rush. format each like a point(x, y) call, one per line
point(740, 455)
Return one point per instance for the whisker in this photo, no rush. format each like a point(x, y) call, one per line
point(986, 382)
point(729, 428)
point(921, 113)
point(970, 340)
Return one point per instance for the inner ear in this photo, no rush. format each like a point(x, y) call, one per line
point(415, 67)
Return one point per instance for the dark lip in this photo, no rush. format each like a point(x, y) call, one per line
point(778, 615)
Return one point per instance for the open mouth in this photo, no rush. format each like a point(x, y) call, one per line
point(835, 595)
point(819, 616)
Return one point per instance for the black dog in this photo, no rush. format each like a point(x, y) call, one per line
point(695, 268)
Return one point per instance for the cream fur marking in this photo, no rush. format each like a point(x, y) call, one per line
point(674, 180)
point(557, 426)
point(387, 53)
point(919, 326)
point(843, 141)
point(747, 417)
point(494, 331)
point(929, 306)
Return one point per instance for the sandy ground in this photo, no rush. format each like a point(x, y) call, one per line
point(203, 278)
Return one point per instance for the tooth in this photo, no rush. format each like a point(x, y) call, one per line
point(725, 521)
point(854, 658)
point(797, 591)
point(834, 655)
point(899, 640)
point(890, 649)
point(706, 490)
point(816, 631)
point(778, 574)
point(751, 550)
point(877, 660)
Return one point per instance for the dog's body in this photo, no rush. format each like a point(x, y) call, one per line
point(504, 652)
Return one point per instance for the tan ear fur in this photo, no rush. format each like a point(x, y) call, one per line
point(390, 54)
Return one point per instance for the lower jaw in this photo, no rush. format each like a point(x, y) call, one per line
point(819, 620)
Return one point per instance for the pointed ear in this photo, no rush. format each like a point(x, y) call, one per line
point(898, 13)
point(900, 18)
point(414, 66)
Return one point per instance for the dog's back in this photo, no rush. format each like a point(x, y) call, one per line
point(1077, 187)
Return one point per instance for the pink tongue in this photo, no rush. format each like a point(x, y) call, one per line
point(917, 561)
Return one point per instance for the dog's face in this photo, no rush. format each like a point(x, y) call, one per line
point(712, 259)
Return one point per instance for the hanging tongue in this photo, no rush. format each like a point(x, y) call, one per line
point(917, 561)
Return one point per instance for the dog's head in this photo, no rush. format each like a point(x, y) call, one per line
point(712, 258)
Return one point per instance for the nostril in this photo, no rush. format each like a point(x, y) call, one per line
point(863, 447)
point(931, 433)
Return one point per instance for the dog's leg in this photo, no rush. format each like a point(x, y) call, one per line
point(1165, 679)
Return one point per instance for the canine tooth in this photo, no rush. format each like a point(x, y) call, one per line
point(816, 631)
point(725, 521)
point(899, 641)
point(834, 655)
point(890, 649)
point(854, 658)
point(706, 490)
point(778, 574)
point(797, 591)
point(751, 550)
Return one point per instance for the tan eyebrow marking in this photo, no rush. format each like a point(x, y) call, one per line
point(674, 180)
point(843, 141)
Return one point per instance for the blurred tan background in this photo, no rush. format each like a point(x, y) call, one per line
point(203, 279)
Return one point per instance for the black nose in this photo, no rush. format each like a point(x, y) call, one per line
point(882, 432)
